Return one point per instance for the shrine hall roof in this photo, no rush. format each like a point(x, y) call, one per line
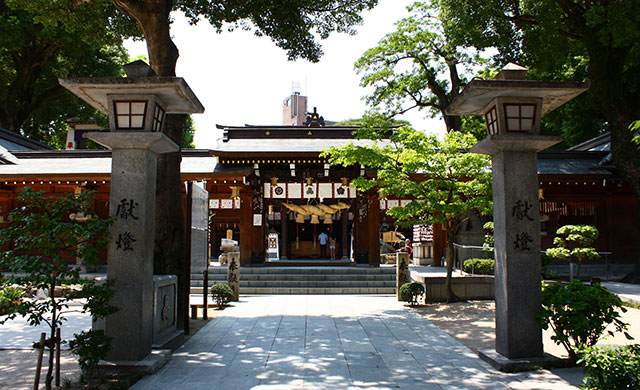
point(284, 139)
point(582, 163)
point(90, 164)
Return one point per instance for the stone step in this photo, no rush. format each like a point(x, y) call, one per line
point(304, 280)
point(309, 283)
point(293, 290)
point(300, 277)
point(310, 290)
point(302, 270)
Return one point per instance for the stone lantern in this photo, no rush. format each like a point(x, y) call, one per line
point(136, 105)
point(512, 108)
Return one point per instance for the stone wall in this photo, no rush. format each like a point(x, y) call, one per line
point(468, 287)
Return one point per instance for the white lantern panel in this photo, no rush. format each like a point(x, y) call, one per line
point(136, 121)
point(137, 108)
point(527, 111)
point(512, 110)
point(122, 107)
point(513, 124)
point(123, 122)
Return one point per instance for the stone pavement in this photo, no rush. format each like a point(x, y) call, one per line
point(333, 342)
point(626, 292)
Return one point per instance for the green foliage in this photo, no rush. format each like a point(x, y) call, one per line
point(41, 240)
point(575, 241)
point(417, 66)
point(479, 266)
point(447, 182)
point(596, 41)
point(90, 347)
point(362, 121)
point(488, 243)
point(635, 129)
point(36, 48)
point(611, 368)
point(411, 292)
point(189, 132)
point(294, 25)
point(221, 293)
point(9, 299)
point(579, 314)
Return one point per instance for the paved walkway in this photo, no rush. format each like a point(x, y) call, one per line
point(626, 292)
point(332, 342)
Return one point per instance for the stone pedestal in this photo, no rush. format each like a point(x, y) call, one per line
point(516, 219)
point(233, 274)
point(130, 261)
point(402, 271)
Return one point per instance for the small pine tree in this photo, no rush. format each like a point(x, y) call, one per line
point(575, 241)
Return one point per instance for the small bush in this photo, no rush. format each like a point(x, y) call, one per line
point(611, 368)
point(90, 346)
point(411, 292)
point(221, 294)
point(10, 299)
point(479, 266)
point(578, 314)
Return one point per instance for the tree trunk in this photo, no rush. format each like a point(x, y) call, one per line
point(607, 73)
point(169, 251)
point(451, 296)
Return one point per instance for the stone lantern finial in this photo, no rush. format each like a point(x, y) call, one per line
point(512, 71)
point(138, 68)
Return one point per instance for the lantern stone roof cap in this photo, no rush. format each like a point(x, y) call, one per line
point(510, 83)
point(477, 95)
point(173, 91)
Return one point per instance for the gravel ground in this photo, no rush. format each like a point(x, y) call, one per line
point(473, 324)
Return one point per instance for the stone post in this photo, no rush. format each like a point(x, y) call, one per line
point(233, 274)
point(402, 271)
point(516, 216)
point(130, 266)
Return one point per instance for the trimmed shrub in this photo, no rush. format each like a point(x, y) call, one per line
point(411, 292)
point(10, 298)
point(578, 314)
point(221, 293)
point(479, 266)
point(91, 346)
point(611, 368)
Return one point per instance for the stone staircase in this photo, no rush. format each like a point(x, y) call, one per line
point(305, 280)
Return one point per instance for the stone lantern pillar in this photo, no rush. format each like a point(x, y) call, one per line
point(136, 106)
point(512, 107)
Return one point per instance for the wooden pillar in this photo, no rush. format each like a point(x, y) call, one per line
point(360, 229)
point(373, 224)
point(246, 229)
point(439, 243)
point(344, 220)
point(259, 233)
point(284, 220)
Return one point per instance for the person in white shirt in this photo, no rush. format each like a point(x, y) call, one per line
point(322, 238)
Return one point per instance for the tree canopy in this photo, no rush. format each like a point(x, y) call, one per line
point(417, 66)
point(447, 182)
point(35, 51)
point(594, 40)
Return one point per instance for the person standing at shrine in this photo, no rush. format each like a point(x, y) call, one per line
point(322, 238)
point(408, 248)
point(332, 247)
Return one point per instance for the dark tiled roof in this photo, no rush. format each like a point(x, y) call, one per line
point(12, 141)
point(573, 163)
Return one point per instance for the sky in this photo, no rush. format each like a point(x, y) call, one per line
point(243, 79)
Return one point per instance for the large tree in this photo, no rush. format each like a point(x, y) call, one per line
point(447, 182)
point(35, 51)
point(550, 36)
point(417, 66)
point(294, 25)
